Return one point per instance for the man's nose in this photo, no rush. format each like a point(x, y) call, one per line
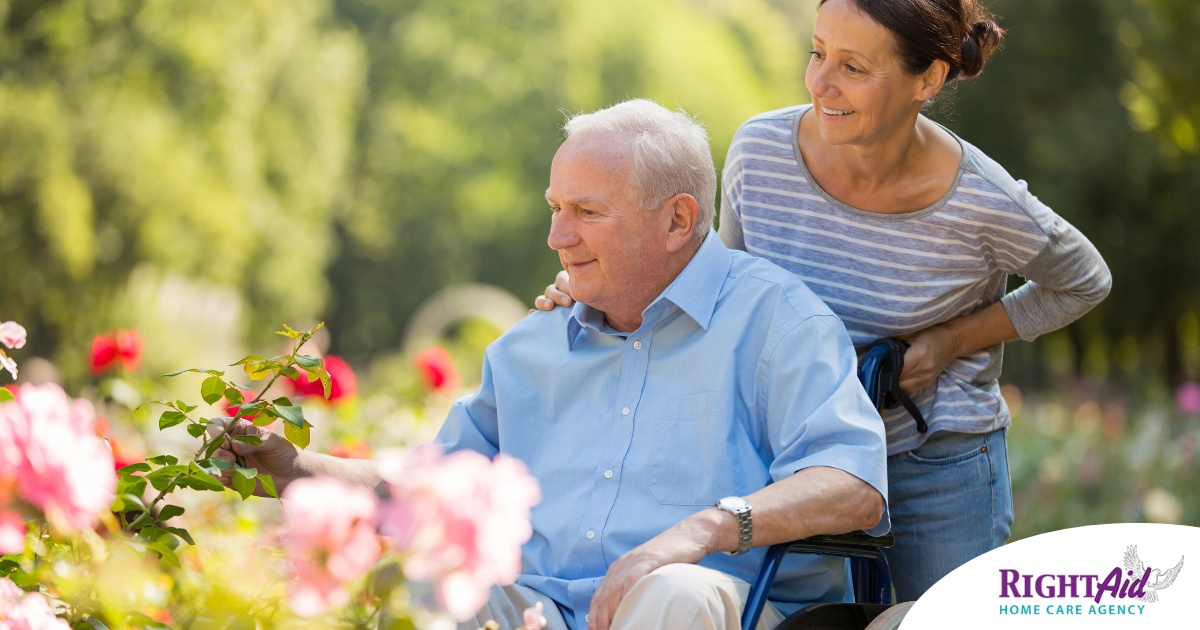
point(562, 233)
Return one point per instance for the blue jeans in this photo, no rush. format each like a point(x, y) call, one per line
point(950, 501)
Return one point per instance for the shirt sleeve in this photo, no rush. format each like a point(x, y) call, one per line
point(1066, 279)
point(472, 423)
point(817, 412)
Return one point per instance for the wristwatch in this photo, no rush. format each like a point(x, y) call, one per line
point(740, 509)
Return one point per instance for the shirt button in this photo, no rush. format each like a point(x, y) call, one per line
point(591, 534)
point(608, 474)
point(637, 345)
point(587, 617)
point(625, 411)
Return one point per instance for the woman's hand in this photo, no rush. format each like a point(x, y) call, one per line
point(558, 293)
point(929, 352)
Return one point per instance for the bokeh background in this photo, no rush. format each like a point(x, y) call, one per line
point(202, 171)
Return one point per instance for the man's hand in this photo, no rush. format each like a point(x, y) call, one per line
point(558, 293)
point(689, 541)
point(275, 456)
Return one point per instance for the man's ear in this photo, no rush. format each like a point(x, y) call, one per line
point(684, 211)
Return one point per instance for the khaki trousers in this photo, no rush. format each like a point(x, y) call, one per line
point(681, 596)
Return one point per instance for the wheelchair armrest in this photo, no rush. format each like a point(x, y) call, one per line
point(851, 545)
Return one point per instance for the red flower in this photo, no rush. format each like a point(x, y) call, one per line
point(129, 348)
point(351, 449)
point(124, 346)
point(342, 382)
point(437, 370)
point(233, 410)
point(104, 354)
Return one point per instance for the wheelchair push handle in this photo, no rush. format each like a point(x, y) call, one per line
point(879, 372)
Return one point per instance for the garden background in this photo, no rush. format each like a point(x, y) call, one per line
point(199, 172)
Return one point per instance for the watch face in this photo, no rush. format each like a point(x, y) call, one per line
point(733, 504)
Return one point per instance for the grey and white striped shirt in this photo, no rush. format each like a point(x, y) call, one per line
point(891, 274)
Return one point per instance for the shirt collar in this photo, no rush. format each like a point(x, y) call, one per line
point(695, 291)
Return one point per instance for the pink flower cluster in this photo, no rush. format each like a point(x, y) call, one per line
point(460, 519)
point(330, 540)
point(12, 335)
point(26, 611)
point(52, 461)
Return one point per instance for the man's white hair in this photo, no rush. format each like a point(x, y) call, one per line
point(669, 149)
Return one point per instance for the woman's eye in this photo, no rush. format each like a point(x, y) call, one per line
point(852, 70)
point(815, 55)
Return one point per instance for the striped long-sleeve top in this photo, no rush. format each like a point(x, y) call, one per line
point(891, 274)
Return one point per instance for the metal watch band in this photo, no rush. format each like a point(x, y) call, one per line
point(742, 513)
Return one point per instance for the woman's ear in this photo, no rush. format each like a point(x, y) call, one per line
point(932, 80)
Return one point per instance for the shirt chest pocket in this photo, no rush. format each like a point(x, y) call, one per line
point(699, 450)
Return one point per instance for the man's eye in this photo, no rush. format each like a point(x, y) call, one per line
point(587, 212)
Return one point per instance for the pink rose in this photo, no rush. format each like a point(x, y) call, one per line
point(12, 533)
point(1187, 397)
point(49, 447)
point(12, 335)
point(7, 363)
point(534, 617)
point(330, 541)
point(460, 520)
point(26, 611)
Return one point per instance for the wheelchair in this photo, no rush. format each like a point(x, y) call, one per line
point(879, 372)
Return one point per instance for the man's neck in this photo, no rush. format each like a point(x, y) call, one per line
point(630, 319)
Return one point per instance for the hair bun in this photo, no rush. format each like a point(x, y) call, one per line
point(981, 40)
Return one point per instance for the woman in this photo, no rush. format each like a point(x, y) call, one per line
point(907, 231)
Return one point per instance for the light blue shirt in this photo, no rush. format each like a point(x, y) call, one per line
point(737, 377)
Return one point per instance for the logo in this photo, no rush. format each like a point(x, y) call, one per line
point(1162, 579)
point(1096, 577)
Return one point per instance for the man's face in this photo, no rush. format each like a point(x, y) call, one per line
point(611, 247)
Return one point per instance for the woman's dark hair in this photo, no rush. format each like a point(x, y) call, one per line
point(959, 32)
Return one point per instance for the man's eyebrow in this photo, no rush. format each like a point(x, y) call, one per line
point(586, 200)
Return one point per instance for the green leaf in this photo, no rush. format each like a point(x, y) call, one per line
point(201, 480)
point(258, 370)
point(212, 389)
point(288, 332)
point(326, 383)
point(296, 435)
point(282, 400)
point(294, 415)
point(161, 478)
point(248, 473)
point(290, 372)
point(180, 372)
point(6, 395)
point(303, 360)
point(138, 467)
point(169, 419)
point(243, 486)
point(234, 395)
point(169, 512)
point(268, 484)
point(96, 623)
point(168, 554)
point(182, 533)
point(213, 466)
point(164, 460)
point(245, 360)
point(184, 407)
point(135, 486)
point(195, 430)
point(248, 439)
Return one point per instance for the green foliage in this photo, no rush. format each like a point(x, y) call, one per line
point(204, 139)
point(166, 474)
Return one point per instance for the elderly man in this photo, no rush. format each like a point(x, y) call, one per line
point(694, 404)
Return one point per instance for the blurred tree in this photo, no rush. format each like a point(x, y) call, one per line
point(464, 112)
point(205, 139)
point(1053, 108)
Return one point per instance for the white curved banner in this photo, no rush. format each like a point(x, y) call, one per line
point(1125, 575)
